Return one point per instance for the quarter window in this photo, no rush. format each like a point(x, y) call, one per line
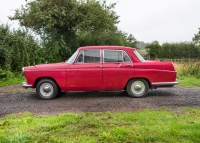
point(126, 57)
point(89, 56)
point(115, 56)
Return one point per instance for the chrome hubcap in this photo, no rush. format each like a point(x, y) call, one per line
point(138, 87)
point(46, 89)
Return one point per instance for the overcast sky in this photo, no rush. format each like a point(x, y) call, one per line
point(147, 20)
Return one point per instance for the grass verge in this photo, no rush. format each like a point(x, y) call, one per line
point(190, 82)
point(144, 126)
point(14, 80)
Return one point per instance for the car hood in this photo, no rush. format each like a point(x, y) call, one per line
point(62, 65)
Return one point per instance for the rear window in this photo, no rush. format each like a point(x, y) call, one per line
point(139, 56)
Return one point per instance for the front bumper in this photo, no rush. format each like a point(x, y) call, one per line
point(26, 85)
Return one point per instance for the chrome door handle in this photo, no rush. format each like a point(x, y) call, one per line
point(98, 66)
point(129, 65)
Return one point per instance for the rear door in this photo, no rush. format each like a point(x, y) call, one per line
point(117, 69)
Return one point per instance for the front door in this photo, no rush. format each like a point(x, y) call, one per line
point(86, 73)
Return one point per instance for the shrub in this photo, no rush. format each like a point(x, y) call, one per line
point(4, 75)
point(191, 68)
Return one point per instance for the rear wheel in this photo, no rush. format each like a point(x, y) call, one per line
point(47, 89)
point(137, 88)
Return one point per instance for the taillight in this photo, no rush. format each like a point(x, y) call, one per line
point(173, 66)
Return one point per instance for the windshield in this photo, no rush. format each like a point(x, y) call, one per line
point(139, 56)
point(72, 58)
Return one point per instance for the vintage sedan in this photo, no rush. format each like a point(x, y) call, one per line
point(100, 68)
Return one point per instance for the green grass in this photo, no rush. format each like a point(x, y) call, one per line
point(190, 82)
point(138, 127)
point(188, 74)
point(14, 80)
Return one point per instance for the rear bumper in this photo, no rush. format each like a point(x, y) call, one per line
point(26, 85)
point(160, 84)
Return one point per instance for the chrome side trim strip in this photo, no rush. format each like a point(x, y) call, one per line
point(164, 83)
point(26, 85)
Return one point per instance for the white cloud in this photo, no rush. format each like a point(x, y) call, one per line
point(162, 20)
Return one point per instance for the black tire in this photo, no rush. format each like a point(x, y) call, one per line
point(137, 88)
point(47, 89)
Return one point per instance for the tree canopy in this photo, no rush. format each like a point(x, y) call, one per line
point(196, 37)
point(64, 25)
point(66, 16)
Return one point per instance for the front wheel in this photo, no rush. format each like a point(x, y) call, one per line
point(137, 88)
point(47, 89)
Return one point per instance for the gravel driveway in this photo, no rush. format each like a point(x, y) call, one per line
point(15, 99)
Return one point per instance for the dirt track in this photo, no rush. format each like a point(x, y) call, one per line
point(15, 99)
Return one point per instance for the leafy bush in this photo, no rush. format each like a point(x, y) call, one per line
point(18, 48)
point(192, 69)
point(4, 75)
point(187, 69)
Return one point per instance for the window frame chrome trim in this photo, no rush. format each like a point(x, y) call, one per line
point(122, 56)
point(75, 62)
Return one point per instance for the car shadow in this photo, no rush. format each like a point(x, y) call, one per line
point(161, 92)
point(93, 94)
point(107, 94)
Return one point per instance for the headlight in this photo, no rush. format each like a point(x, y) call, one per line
point(23, 71)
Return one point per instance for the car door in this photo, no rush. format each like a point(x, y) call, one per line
point(86, 72)
point(117, 69)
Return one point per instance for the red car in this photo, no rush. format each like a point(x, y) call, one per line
point(97, 68)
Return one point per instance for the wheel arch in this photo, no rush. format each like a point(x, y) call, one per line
point(138, 78)
point(45, 77)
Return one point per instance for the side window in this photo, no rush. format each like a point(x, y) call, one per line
point(89, 56)
point(112, 56)
point(115, 56)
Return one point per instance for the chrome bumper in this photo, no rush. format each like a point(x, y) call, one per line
point(164, 83)
point(26, 85)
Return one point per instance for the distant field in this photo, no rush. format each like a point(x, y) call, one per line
point(142, 51)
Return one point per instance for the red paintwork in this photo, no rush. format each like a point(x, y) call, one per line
point(101, 76)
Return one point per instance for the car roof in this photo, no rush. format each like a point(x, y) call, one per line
point(106, 47)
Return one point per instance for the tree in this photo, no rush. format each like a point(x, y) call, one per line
point(196, 38)
point(154, 50)
point(173, 50)
point(106, 38)
point(17, 49)
point(60, 23)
